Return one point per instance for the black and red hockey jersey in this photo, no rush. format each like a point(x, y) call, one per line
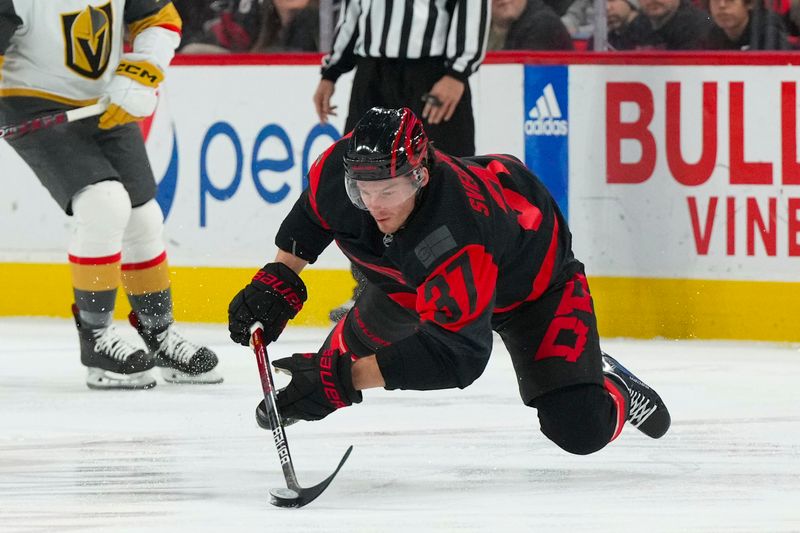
point(484, 238)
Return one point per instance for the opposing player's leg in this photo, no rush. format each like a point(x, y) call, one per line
point(68, 161)
point(100, 214)
point(145, 277)
point(374, 321)
point(111, 361)
point(180, 360)
point(555, 348)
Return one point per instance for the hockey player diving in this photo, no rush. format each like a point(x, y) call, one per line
point(61, 54)
point(453, 249)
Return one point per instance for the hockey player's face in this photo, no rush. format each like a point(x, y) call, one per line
point(390, 202)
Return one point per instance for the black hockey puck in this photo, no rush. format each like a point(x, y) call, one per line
point(284, 497)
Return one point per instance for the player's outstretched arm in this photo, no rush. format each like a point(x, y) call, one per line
point(291, 261)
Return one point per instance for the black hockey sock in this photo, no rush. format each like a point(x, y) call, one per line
point(95, 308)
point(153, 309)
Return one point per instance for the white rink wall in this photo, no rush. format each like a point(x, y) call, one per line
point(681, 181)
point(236, 140)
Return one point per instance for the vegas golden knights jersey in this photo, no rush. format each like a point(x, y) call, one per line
point(67, 50)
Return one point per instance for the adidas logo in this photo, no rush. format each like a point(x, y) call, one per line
point(545, 118)
point(546, 105)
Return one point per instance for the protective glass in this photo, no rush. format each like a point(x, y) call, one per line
point(383, 194)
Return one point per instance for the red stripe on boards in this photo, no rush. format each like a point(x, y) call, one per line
point(637, 58)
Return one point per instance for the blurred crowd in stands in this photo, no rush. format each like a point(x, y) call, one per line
point(258, 26)
point(269, 26)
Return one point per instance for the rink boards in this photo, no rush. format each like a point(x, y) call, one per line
point(680, 178)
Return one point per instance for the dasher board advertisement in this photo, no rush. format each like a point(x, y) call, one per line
point(686, 171)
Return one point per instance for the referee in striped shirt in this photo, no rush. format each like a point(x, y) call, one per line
point(413, 53)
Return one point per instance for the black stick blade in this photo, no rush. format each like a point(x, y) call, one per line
point(298, 496)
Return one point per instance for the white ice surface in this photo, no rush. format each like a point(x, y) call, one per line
point(190, 458)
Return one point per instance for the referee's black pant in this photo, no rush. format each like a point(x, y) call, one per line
point(402, 83)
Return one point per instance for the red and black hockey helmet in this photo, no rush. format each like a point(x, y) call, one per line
point(386, 143)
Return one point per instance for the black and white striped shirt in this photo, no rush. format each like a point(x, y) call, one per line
point(456, 30)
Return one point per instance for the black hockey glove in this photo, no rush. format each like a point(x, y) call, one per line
point(321, 383)
point(275, 295)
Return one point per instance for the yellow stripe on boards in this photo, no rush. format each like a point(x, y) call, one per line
point(201, 294)
point(696, 309)
point(626, 307)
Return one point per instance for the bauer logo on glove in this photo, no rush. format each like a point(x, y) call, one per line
point(283, 288)
point(321, 383)
point(274, 296)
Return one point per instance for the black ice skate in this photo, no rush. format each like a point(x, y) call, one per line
point(181, 361)
point(112, 362)
point(646, 410)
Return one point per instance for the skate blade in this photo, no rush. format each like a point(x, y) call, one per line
point(176, 376)
point(99, 379)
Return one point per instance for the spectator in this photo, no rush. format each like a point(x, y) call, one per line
point(579, 19)
point(623, 34)
point(743, 25)
point(289, 26)
point(559, 6)
point(219, 26)
point(792, 18)
point(678, 24)
point(789, 13)
point(526, 25)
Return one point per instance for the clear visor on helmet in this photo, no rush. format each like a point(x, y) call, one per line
point(371, 195)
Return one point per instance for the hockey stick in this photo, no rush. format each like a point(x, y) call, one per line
point(293, 495)
point(47, 121)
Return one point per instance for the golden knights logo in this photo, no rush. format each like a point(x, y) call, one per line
point(88, 40)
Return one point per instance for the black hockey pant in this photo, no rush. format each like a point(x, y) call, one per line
point(554, 346)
